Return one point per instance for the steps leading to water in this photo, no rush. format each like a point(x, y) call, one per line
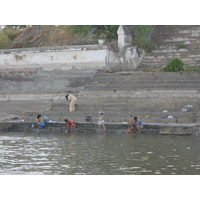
point(121, 103)
point(121, 94)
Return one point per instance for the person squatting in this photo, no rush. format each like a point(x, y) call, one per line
point(136, 124)
point(40, 121)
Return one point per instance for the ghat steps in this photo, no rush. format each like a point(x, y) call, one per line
point(123, 94)
point(125, 81)
point(167, 39)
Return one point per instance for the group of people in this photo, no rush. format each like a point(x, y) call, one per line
point(133, 123)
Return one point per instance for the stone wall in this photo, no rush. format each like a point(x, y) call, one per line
point(55, 127)
point(171, 41)
point(60, 69)
point(84, 57)
point(50, 58)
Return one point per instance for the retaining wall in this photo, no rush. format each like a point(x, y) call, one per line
point(82, 57)
point(57, 127)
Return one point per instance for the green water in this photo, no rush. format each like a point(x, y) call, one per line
point(98, 154)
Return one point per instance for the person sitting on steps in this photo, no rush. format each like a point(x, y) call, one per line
point(138, 123)
point(40, 121)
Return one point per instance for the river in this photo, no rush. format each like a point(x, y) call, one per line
point(98, 154)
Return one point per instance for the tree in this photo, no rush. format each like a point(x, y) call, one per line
point(108, 32)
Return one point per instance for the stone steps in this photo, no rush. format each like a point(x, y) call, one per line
point(120, 98)
point(147, 80)
point(136, 108)
point(167, 38)
point(147, 76)
point(141, 87)
point(113, 118)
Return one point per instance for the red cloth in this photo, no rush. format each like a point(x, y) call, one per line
point(71, 123)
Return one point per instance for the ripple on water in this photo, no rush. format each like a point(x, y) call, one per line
point(128, 168)
point(158, 172)
point(86, 154)
point(65, 166)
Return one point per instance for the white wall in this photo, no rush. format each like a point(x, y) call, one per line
point(55, 57)
point(83, 57)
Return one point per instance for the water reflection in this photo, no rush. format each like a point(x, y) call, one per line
point(98, 153)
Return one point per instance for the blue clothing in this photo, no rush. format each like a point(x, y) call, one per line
point(42, 124)
point(139, 123)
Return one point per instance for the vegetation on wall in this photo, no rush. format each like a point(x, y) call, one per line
point(174, 65)
point(143, 37)
point(19, 36)
point(180, 46)
point(7, 35)
point(192, 68)
point(4, 40)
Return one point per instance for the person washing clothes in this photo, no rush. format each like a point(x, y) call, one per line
point(72, 99)
point(69, 124)
point(40, 121)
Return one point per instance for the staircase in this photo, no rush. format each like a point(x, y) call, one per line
point(167, 39)
point(122, 94)
point(138, 93)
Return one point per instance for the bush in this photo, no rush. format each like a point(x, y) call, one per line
point(143, 38)
point(4, 41)
point(11, 33)
point(174, 65)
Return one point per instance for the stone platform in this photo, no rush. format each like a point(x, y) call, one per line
point(57, 127)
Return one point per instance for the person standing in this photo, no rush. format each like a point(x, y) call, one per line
point(130, 121)
point(101, 121)
point(72, 99)
point(130, 124)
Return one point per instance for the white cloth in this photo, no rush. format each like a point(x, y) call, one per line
point(100, 122)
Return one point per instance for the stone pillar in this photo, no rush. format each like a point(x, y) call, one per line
point(124, 36)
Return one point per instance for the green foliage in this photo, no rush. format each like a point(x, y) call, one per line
point(192, 68)
point(174, 65)
point(10, 33)
point(180, 46)
point(4, 41)
point(7, 35)
point(143, 37)
point(108, 32)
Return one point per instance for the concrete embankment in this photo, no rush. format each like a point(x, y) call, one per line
point(57, 127)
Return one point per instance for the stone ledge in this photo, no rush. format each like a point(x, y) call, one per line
point(154, 128)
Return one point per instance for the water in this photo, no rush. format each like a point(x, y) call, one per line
point(98, 154)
